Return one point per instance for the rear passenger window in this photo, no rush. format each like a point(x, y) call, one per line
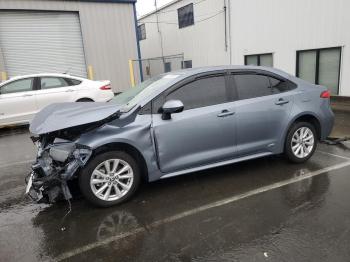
point(73, 82)
point(52, 82)
point(279, 86)
point(202, 92)
point(250, 86)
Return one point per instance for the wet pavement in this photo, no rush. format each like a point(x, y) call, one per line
point(260, 210)
point(342, 120)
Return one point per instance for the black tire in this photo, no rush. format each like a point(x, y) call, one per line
point(86, 173)
point(288, 151)
point(85, 100)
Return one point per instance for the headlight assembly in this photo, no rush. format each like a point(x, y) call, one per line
point(61, 152)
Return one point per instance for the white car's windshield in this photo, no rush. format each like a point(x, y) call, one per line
point(134, 95)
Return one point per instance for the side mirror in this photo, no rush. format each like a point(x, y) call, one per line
point(171, 107)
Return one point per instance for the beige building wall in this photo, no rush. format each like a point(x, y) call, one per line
point(280, 27)
point(283, 27)
point(203, 42)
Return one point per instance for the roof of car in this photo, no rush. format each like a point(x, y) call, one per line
point(198, 70)
point(39, 75)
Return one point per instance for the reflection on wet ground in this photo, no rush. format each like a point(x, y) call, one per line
point(174, 220)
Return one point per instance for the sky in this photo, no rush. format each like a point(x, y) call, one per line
point(146, 6)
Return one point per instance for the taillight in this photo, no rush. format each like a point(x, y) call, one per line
point(106, 87)
point(325, 94)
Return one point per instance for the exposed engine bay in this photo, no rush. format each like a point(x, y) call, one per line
point(58, 161)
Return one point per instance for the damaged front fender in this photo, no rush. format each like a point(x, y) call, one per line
point(56, 164)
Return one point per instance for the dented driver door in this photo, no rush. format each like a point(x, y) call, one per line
point(203, 133)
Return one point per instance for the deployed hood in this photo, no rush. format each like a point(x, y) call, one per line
point(64, 115)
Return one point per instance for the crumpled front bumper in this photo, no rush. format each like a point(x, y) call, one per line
point(46, 189)
point(55, 165)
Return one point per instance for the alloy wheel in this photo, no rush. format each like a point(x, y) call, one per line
point(302, 142)
point(111, 179)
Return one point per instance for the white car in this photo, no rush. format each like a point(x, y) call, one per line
point(22, 97)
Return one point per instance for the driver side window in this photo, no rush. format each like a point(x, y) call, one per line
point(207, 91)
point(17, 86)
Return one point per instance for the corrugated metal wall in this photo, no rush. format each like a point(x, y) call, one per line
point(38, 41)
point(108, 31)
point(2, 66)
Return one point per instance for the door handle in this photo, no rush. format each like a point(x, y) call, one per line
point(26, 95)
point(281, 102)
point(226, 112)
point(69, 90)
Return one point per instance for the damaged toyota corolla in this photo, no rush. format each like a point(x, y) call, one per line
point(173, 124)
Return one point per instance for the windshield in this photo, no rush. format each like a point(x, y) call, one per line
point(134, 95)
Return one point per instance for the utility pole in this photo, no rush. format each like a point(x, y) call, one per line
point(159, 32)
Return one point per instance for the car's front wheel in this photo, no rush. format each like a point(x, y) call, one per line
point(301, 142)
point(109, 178)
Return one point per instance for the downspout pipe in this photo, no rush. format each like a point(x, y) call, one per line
point(229, 29)
point(138, 43)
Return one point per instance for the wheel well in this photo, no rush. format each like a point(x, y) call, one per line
point(128, 149)
point(85, 99)
point(312, 120)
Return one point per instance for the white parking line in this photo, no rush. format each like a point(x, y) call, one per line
point(190, 212)
point(331, 154)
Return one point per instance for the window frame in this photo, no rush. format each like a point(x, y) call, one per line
point(40, 78)
point(258, 58)
point(139, 32)
point(178, 16)
point(317, 69)
point(267, 74)
point(165, 67)
point(70, 81)
point(186, 61)
point(33, 85)
point(159, 100)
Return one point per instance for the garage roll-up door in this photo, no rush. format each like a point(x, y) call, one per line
point(41, 42)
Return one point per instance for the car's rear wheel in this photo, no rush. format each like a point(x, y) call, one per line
point(110, 178)
point(301, 142)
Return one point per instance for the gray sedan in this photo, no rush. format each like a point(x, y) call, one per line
point(173, 124)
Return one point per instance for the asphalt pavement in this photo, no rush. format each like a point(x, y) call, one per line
point(260, 210)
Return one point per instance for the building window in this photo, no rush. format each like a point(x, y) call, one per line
point(320, 66)
point(259, 60)
point(148, 70)
point(167, 67)
point(185, 16)
point(141, 32)
point(186, 64)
